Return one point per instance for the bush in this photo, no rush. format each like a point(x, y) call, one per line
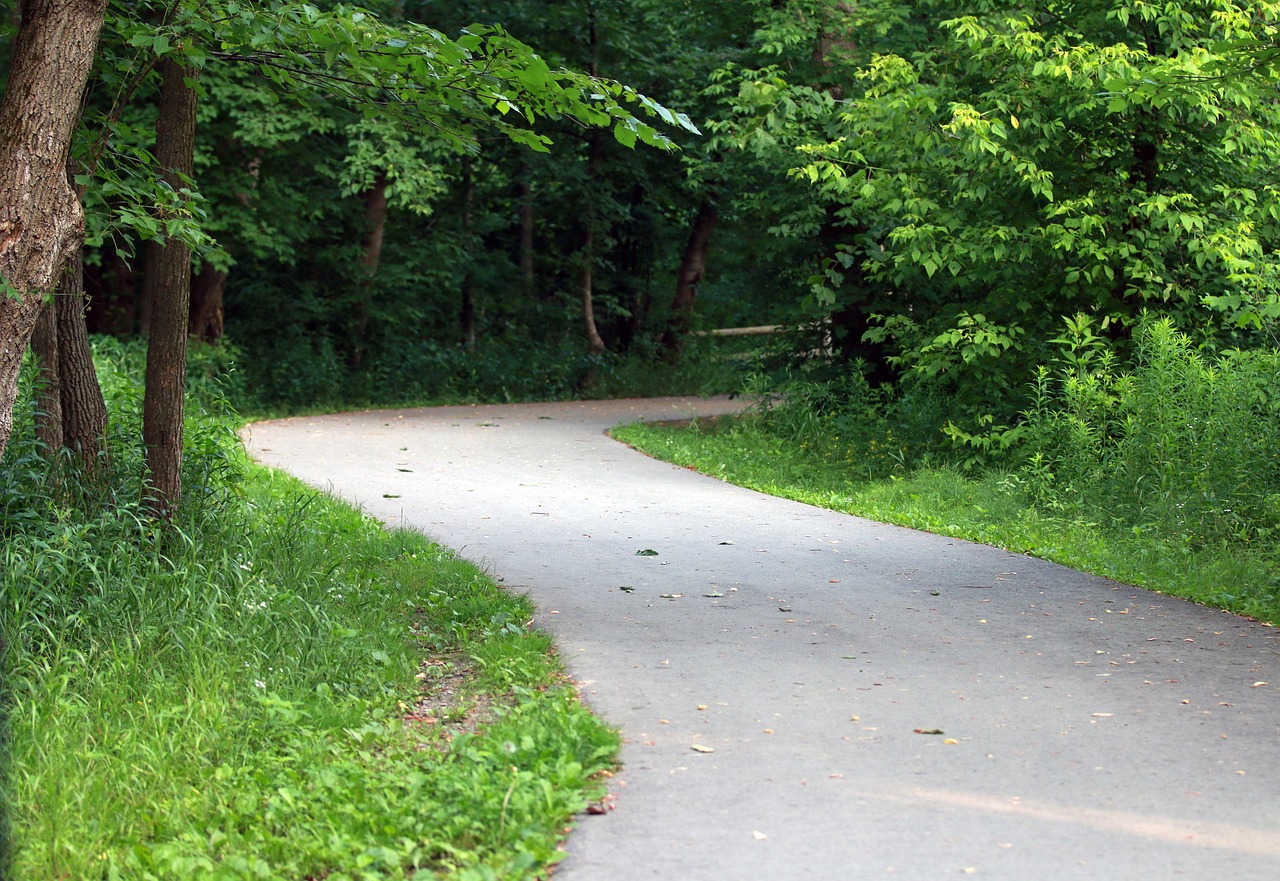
point(1187, 444)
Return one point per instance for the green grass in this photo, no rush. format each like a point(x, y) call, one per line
point(993, 508)
point(230, 702)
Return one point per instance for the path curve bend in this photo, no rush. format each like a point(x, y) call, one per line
point(778, 671)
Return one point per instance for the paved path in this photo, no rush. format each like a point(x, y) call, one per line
point(1091, 730)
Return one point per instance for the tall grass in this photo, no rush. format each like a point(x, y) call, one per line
point(1186, 445)
point(228, 699)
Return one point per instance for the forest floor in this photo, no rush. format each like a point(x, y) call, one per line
point(800, 689)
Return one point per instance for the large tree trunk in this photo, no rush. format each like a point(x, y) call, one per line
point(693, 266)
point(168, 281)
point(41, 220)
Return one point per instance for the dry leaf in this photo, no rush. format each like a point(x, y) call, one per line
point(699, 748)
point(929, 731)
point(759, 836)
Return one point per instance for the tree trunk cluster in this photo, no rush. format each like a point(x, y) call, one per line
point(41, 219)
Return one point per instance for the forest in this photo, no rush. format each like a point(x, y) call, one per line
point(1029, 242)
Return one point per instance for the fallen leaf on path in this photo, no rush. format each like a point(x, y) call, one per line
point(647, 552)
point(389, 496)
point(671, 596)
point(702, 706)
point(929, 731)
point(714, 593)
point(759, 836)
point(699, 748)
point(628, 588)
point(1258, 684)
point(951, 740)
point(726, 542)
point(405, 470)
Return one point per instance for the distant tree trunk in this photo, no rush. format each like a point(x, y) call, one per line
point(41, 220)
point(595, 343)
point(525, 191)
point(84, 412)
point(168, 288)
point(375, 217)
point(693, 266)
point(468, 274)
point(207, 289)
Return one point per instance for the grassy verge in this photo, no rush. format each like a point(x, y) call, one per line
point(285, 690)
point(993, 508)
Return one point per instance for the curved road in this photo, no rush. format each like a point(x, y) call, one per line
point(777, 669)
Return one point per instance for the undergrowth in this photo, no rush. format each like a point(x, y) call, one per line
point(227, 698)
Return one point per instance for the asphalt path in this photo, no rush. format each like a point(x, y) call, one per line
point(805, 694)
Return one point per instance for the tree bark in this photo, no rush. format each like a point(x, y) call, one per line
point(84, 412)
point(693, 266)
point(44, 345)
point(70, 412)
point(168, 282)
point(41, 219)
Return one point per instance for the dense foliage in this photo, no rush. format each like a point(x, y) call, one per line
point(1036, 241)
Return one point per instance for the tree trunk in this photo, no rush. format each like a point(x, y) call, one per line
point(44, 345)
point(71, 412)
point(168, 288)
point(207, 289)
point(525, 191)
point(595, 343)
point(41, 220)
point(375, 215)
point(469, 247)
point(693, 266)
point(84, 412)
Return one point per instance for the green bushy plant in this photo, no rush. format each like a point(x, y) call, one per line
point(1186, 443)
